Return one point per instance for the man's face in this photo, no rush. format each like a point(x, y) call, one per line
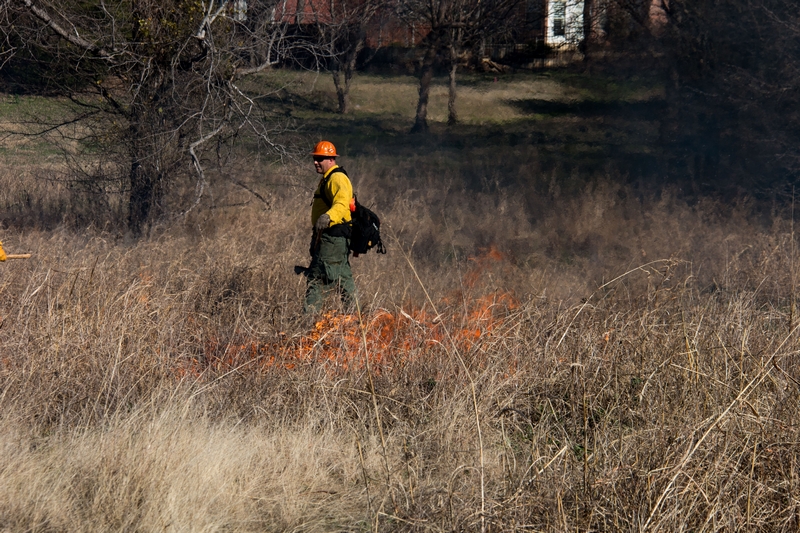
point(323, 164)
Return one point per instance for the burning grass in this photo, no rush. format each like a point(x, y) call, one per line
point(383, 341)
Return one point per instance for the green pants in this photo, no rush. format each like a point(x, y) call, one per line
point(329, 271)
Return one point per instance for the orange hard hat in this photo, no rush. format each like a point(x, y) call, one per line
point(325, 149)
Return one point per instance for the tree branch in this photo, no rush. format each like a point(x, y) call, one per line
point(75, 39)
point(201, 182)
point(209, 19)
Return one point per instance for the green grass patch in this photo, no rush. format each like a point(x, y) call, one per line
point(21, 108)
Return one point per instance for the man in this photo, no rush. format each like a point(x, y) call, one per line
point(330, 240)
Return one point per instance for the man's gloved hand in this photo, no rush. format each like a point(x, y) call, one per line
point(2, 253)
point(323, 222)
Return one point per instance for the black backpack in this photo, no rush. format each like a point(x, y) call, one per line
point(365, 231)
point(365, 225)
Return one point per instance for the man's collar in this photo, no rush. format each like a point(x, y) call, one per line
point(330, 171)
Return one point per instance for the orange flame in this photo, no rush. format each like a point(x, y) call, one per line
point(384, 340)
point(487, 258)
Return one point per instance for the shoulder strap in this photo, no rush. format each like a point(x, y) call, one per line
point(322, 192)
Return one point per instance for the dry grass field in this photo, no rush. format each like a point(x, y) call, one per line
point(542, 349)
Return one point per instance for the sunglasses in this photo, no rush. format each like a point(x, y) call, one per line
point(320, 159)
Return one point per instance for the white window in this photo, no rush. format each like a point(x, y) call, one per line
point(564, 23)
point(559, 18)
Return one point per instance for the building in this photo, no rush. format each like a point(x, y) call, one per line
point(545, 28)
point(384, 29)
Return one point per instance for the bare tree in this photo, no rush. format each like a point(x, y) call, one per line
point(455, 26)
point(152, 82)
point(342, 31)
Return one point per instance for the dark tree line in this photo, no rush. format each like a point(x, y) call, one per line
point(731, 73)
point(734, 85)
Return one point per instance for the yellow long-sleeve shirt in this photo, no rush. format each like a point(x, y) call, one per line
point(337, 187)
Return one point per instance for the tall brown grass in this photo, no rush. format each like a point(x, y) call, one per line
point(634, 368)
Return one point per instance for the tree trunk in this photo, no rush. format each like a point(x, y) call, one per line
point(425, 78)
point(588, 28)
point(142, 185)
point(146, 149)
point(341, 92)
point(348, 69)
point(452, 114)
